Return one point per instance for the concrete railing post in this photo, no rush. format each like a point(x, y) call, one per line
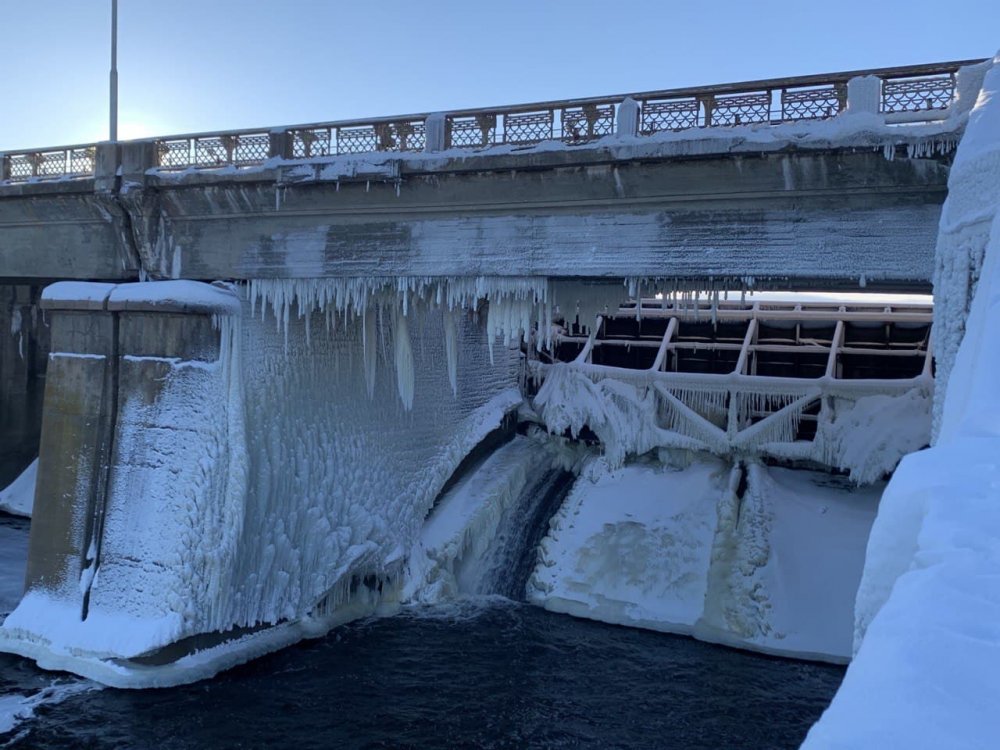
point(628, 117)
point(107, 159)
point(434, 131)
point(4, 167)
point(137, 157)
point(864, 95)
point(280, 146)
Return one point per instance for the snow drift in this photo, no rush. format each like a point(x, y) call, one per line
point(928, 608)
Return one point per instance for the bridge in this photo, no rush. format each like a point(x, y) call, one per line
point(729, 181)
point(330, 297)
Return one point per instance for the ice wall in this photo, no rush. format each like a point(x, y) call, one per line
point(676, 547)
point(928, 608)
point(263, 481)
point(972, 202)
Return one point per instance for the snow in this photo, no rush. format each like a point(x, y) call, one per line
point(19, 495)
point(927, 614)
point(191, 295)
point(973, 200)
point(72, 291)
point(668, 545)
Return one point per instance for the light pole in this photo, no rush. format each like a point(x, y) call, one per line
point(114, 71)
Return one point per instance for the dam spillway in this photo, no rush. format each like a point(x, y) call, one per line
point(256, 459)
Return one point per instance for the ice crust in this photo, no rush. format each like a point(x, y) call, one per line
point(19, 496)
point(674, 548)
point(448, 559)
point(927, 615)
point(208, 528)
point(634, 412)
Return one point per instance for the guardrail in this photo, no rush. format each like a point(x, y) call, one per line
point(912, 94)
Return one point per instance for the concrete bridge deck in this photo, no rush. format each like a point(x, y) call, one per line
point(816, 181)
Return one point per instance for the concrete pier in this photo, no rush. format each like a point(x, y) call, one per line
point(24, 347)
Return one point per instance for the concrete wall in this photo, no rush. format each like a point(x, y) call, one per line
point(24, 348)
point(64, 230)
point(822, 216)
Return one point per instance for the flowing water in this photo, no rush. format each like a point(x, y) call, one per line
point(485, 672)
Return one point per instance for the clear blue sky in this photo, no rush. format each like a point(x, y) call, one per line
point(192, 65)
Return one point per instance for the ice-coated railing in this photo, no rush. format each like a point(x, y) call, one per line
point(794, 381)
point(912, 94)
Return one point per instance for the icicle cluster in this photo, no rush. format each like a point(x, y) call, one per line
point(516, 307)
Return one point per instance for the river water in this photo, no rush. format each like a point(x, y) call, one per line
point(480, 672)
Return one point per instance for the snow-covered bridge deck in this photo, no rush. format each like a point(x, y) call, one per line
point(812, 181)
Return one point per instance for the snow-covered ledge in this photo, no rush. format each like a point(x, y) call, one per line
point(927, 616)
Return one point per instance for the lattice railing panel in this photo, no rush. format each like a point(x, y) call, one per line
point(22, 166)
point(357, 140)
point(528, 127)
point(741, 109)
point(917, 94)
point(213, 151)
point(587, 123)
point(673, 114)
point(250, 149)
point(313, 142)
point(81, 160)
point(477, 131)
point(174, 154)
point(812, 104)
point(51, 163)
point(401, 136)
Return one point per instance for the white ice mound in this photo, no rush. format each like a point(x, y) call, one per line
point(675, 549)
point(19, 496)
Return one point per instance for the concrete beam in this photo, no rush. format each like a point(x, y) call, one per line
point(829, 218)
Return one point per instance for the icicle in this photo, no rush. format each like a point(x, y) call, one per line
point(404, 360)
point(451, 348)
point(368, 334)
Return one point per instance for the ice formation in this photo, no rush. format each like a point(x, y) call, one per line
point(264, 489)
point(634, 412)
point(927, 614)
point(450, 558)
point(19, 496)
point(671, 545)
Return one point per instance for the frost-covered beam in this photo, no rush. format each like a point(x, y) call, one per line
point(661, 353)
point(838, 340)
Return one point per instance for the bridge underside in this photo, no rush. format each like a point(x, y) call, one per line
point(793, 219)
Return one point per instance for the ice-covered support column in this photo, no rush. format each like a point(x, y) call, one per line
point(23, 352)
point(75, 439)
point(927, 614)
point(139, 474)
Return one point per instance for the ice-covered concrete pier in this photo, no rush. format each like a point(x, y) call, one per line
point(272, 434)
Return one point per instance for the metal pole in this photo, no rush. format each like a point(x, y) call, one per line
point(114, 71)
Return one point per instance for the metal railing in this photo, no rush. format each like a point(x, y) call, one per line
point(920, 92)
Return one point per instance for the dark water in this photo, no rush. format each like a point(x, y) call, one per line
point(497, 675)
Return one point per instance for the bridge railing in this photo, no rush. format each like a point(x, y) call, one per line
point(907, 94)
